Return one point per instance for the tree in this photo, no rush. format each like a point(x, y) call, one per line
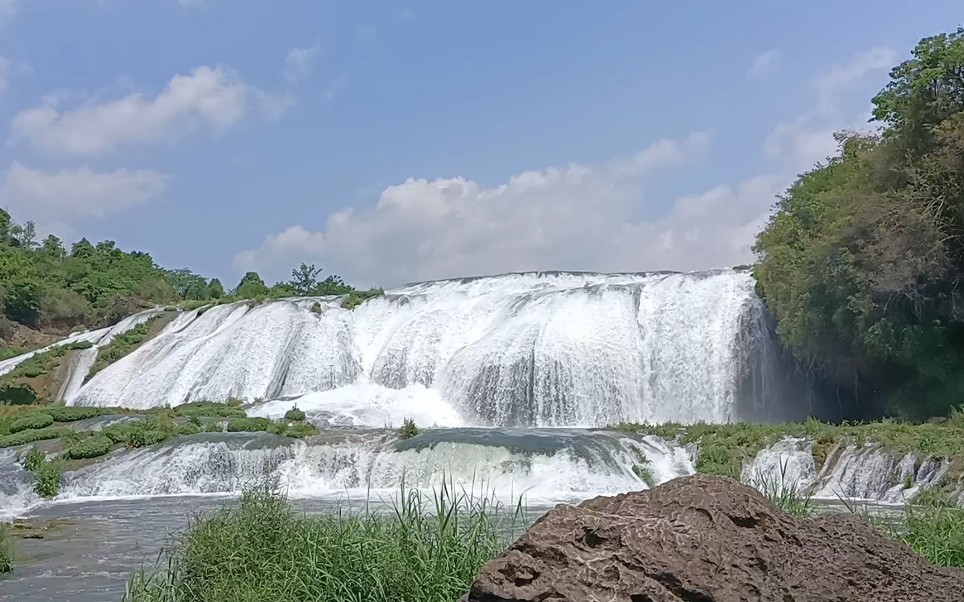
point(188, 284)
point(53, 248)
point(304, 279)
point(924, 91)
point(215, 288)
point(251, 286)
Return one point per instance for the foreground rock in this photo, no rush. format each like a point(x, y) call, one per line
point(706, 539)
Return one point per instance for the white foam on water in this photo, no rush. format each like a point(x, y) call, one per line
point(573, 467)
point(367, 404)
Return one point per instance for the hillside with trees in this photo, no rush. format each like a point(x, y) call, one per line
point(862, 261)
point(50, 289)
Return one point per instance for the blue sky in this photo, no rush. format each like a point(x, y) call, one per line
point(391, 142)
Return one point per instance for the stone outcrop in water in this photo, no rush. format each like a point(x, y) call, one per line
point(706, 539)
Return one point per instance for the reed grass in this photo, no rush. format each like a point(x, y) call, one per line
point(428, 549)
point(6, 550)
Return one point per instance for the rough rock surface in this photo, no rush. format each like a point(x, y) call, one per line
point(706, 539)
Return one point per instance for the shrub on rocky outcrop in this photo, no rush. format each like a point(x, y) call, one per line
point(31, 421)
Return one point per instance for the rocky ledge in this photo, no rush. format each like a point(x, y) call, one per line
point(706, 539)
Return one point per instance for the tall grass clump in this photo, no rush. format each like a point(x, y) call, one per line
point(935, 532)
point(427, 550)
point(6, 550)
point(784, 494)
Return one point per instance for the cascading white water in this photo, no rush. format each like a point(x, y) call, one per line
point(515, 350)
point(540, 465)
point(865, 473)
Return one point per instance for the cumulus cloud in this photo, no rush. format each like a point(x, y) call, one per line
point(208, 99)
point(62, 196)
point(573, 217)
point(808, 138)
point(299, 62)
point(579, 217)
point(765, 63)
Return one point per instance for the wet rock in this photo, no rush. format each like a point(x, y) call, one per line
point(706, 539)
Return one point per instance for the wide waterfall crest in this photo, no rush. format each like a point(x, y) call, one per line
point(542, 349)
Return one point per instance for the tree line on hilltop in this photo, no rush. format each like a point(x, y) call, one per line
point(45, 285)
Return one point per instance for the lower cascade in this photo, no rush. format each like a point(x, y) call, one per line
point(517, 350)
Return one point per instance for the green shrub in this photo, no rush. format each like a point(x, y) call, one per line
point(210, 409)
point(294, 415)
point(6, 550)
point(75, 413)
point(49, 475)
point(33, 459)
point(409, 429)
point(31, 436)
point(31, 421)
point(248, 425)
point(300, 430)
point(428, 550)
point(936, 533)
point(91, 447)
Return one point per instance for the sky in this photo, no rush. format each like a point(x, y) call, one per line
point(392, 142)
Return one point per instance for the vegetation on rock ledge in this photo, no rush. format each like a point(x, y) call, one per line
point(860, 263)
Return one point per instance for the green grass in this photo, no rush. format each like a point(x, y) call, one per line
point(936, 533)
point(428, 550)
point(6, 550)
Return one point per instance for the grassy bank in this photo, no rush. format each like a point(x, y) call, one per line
point(427, 550)
point(723, 448)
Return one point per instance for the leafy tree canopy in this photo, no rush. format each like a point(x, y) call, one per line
point(862, 258)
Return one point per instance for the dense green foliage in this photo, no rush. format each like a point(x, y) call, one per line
point(31, 421)
point(248, 425)
point(860, 263)
point(49, 475)
point(295, 415)
point(42, 284)
point(91, 447)
point(428, 550)
point(408, 429)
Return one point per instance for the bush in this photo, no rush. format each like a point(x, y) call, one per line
point(31, 436)
point(6, 550)
point(121, 346)
point(33, 460)
point(31, 421)
point(49, 475)
point(409, 429)
point(91, 447)
point(248, 425)
point(210, 409)
point(300, 430)
point(295, 415)
point(75, 413)
point(428, 550)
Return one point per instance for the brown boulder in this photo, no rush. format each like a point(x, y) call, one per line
point(706, 539)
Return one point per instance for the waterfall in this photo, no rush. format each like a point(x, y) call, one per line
point(542, 465)
point(546, 349)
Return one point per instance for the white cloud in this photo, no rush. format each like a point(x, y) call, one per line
point(831, 83)
point(764, 64)
point(299, 62)
point(334, 86)
point(808, 138)
point(210, 98)
point(62, 196)
point(573, 217)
